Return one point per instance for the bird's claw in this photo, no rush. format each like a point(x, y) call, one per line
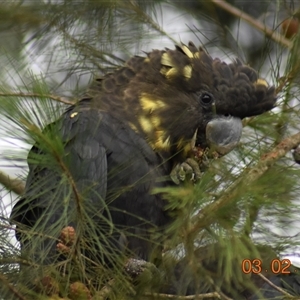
point(188, 167)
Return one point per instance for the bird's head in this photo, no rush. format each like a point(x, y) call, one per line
point(183, 97)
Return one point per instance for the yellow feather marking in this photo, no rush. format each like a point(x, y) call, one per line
point(155, 121)
point(261, 81)
point(149, 104)
point(180, 143)
point(133, 127)
point(164, 70)
point(187, 71)
point(160, 104)
point(147, 60)
point(197, 55)
point(166, 60)
point(171, 73)
point(187, 51)
point(184, 146)
point(187, 150)
point(161, 142)
point(74, 114)
point(145, 124)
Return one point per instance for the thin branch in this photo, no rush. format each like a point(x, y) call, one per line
point(288, 78)
point(18, 260)
point(275, 286)
point(190, 297)
point(12, 184)
point(37, 95)
point(146, 19)
point(275, 36)
point(224, 296)
point(5, 282)
point(206, 216)
point(92, 53)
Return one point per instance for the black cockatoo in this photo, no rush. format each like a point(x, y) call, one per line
point(132, 129)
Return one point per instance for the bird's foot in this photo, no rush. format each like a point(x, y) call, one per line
point(189, 168)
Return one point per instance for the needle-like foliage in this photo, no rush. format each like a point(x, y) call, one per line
point(233, 233)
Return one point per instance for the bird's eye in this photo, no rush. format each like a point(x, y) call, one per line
point(206, 98)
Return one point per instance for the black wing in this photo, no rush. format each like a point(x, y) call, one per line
point(98, 180)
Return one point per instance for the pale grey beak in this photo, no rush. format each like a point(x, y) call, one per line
point(224, 133)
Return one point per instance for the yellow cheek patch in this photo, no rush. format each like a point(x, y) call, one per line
point(146, 124)
point(180, 144)
point(149, 104)
point(187, 150)
point(184, 146)
point(155, 121)
point(161, 143)
point(261, 81)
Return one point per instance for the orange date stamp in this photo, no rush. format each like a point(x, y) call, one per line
point(277, 266)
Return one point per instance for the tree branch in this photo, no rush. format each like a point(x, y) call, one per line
point(275, 36)
point(190, 297)
point(4, 281)
point(275, 286)
point(37, 95)
point(206, 216)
